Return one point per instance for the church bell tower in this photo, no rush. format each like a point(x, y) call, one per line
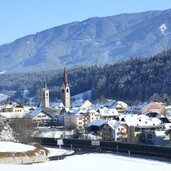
point(45, 97)
point(65, 91)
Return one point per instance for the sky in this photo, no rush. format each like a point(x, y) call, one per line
point(19, 18)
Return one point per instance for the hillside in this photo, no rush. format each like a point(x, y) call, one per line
point(134, 79)
point(93, 41)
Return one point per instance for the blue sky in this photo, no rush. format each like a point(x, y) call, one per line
point(22, 17)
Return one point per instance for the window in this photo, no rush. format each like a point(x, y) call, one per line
point(149, 136)
point(137, 129)
point(67, 90)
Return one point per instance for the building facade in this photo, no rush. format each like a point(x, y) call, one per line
point(45, 97)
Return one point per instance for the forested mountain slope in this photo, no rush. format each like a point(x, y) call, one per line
point(134, 79)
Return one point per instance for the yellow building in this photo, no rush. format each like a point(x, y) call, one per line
point(13, 108)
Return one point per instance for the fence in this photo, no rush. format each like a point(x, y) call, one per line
point(116, 147)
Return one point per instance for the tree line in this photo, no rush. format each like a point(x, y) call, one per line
point(137, 79)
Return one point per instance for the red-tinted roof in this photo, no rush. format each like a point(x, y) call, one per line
point(65, 80)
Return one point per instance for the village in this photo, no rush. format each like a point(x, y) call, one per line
point(147, 123)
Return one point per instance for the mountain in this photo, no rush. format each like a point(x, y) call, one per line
point(93, 41)
point(134, 79)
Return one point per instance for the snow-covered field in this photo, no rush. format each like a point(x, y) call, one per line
point(92, 161)
point(14, 147)
point(88, 162)
point(58, 152)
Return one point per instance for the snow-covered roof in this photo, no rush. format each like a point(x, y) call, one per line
point(80, 103)
point(57, 104)
point(14, 104)
point(77, 111)
point(115, 104)
point(121, 104)
point(35, 112)
point(28, 108)
point(114, 124)
point(140, 106)
point(110, 103)
point(97, 122)
point(140, 120)
point(39, 111)
point(108, 112)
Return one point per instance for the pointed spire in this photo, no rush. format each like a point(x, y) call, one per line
point(65, 80)
point(46, 83)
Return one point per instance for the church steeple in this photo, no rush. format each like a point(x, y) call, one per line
point(45, 96)
point(65, 91)
point(46, 84)
point(65, 79)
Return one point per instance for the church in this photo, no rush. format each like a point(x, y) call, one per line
point(45, 114)
point(65, 91)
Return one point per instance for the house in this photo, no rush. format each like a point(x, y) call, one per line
point(42, 117)
point(152, 136)
point(74, 119)
point(110, 103)
point(79, 118)
point(118, 105)
point(108, 114)
point(153, 107)
point(96, 126)
point(136, 124)
point(13, 107)
point(114, 131)
point(91, 115)
point(13, 110)
point(136, 109)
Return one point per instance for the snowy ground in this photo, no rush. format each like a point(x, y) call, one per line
point(6, 146)
point(14, 147)
point(99, 162)
point(58, 152)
